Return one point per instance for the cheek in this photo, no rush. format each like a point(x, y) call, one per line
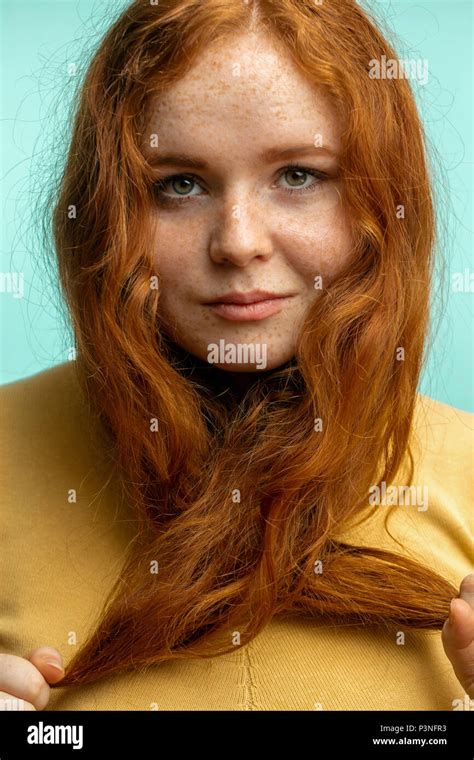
point(174, 257)
point(320, 247)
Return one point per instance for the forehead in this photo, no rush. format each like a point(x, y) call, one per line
point(243, 90)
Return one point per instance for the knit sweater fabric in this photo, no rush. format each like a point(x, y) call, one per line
point(65, 529)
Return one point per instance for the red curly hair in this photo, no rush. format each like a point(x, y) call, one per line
point(226, 567)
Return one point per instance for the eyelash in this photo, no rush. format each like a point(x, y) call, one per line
point(176, 200)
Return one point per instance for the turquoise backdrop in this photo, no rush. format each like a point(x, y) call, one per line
point(45, 45)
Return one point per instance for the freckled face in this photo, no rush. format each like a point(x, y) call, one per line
point(232, 217)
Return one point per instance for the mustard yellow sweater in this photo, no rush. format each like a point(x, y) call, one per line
point(59, 557)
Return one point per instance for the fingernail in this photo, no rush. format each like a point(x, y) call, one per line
point(451, 613)
point(55, 664)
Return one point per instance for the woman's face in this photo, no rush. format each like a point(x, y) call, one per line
point(247, 219)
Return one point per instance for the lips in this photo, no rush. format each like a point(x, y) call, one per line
point(250, 306)
point(254, 296)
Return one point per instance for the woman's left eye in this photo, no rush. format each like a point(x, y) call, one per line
point(301, 170)
point(295, 173)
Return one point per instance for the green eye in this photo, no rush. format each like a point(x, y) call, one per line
point(318, 177)
point(180, 179)
point(295, 171)
point(176, 181)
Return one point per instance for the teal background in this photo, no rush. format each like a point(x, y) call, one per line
point(40, 40)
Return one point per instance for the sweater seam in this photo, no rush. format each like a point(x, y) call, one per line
point(249, 683)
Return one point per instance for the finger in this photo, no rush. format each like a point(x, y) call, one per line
point(466, 590)
point(8, 702)
point(458, 642)
point(459, 627)
point(22, 679)
point(48, 661)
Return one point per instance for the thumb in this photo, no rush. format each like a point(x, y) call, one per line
point(458, 635)
point(48, 661)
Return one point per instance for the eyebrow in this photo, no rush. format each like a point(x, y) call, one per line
point(267, 156)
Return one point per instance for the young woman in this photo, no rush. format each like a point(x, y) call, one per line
point(235, 497)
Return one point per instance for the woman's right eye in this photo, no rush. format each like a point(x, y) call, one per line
point(180, 183)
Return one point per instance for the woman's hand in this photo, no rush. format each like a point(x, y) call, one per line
point(24, 680)
point(458, 635)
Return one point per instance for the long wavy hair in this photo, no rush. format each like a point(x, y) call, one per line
point(230, 563)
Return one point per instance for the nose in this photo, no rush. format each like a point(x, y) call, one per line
point(240, 234)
